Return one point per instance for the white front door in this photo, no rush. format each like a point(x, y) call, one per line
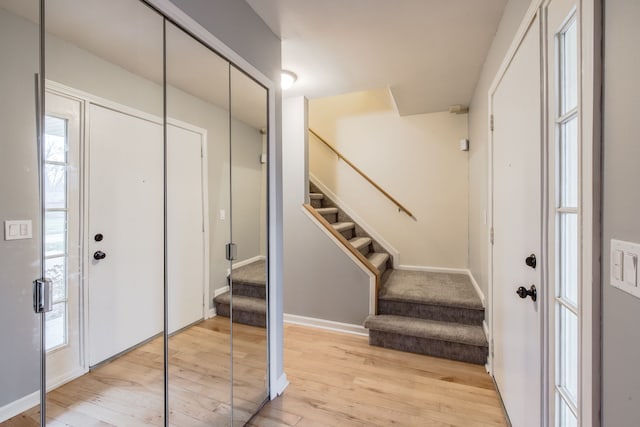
point(185, 226)
point(126, 225)
point(61, 171)
point(517, 224)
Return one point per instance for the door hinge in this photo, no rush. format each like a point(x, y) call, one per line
point(491, 123)
point(42, 296)
point(491, 235)
point(231, 251)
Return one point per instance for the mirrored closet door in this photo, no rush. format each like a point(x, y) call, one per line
point(152, 224)
point(197, 124)
point(249, 233)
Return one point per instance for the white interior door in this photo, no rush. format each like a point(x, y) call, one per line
point(126, 295)
point(62, 237)
point(185, 226)
point(516, 164)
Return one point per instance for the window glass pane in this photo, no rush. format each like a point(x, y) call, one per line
point(55, 270)
point(55, 147)
point(569, 257)
point(56, 321)
point(570, 68)
point(565, 417)
point(568, 353)
point(55, 186)
point(55, 228)
point(569, 163)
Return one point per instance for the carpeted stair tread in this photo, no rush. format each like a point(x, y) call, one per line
point(316, 196)
point(327, 211)
point(242, 303)
point(443, 289)
point(360, 242)
point(343, 226)
point(254, 273)
point(430, 329)
point(378, 259)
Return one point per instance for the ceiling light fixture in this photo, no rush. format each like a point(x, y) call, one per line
point(287, 79)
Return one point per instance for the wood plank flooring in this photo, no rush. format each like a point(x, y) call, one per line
point(339, 380)
point(336, 380)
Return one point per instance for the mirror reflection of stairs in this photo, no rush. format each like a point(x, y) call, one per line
point(249, 295)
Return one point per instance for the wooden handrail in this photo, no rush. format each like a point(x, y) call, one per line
point(322, 220)
point(364, 175)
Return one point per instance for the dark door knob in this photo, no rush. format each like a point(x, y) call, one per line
point(99, 255)
point(531, 261)
point(98, 237)
point(524, 292)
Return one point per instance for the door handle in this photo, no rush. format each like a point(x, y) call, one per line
point(524, 292)
point(98, 255)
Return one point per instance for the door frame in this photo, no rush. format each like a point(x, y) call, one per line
point(87, 99)
point(589, 13)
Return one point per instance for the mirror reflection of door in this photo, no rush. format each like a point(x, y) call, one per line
point(199, 374)
point(249, 233)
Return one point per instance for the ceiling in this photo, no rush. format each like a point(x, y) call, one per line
point(129, 34)
point(429, 53)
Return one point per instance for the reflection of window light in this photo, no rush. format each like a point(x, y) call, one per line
point(55, 225)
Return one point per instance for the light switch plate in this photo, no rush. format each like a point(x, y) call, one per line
point(17, 230)
point(624, 266)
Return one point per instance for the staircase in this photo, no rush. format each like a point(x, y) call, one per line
point(437, 314)
point(249, 295)
point(356, 236)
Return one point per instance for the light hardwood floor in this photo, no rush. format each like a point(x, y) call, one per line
point(339, 380)
point(336, 380)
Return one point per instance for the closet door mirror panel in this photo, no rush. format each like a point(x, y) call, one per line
point(104, 211)
point(249, 231)
point(199, 343)
point(20, 257)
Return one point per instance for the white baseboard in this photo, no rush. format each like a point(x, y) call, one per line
point(62, 380)
point(220, 291)
point(366, 227)
point(477, 288)
point(489, 364)
point(328, 325)
point(249, 261)
point(19, 406)
point(432, 269)
point(278, 388)
point(210, 313)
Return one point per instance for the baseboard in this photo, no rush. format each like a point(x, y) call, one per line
point(210, 313)
point(249, 261)
point(328, 325)
point(366, 227)
point(19, 406)
point(57, 382)
point(477, 288)
point(489, 364)
point(278, 388)
point(430, 269)
point(220, 291)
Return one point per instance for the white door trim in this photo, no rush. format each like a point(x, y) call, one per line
point(590, 16)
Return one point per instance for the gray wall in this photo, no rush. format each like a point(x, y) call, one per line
point(478, 141)
point(19, 259)
point(320, 280)
point(621, 210)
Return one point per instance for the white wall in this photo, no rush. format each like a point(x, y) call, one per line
point(478, 142)
point(320, 281)
point(415, 158)
point(621, 210)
